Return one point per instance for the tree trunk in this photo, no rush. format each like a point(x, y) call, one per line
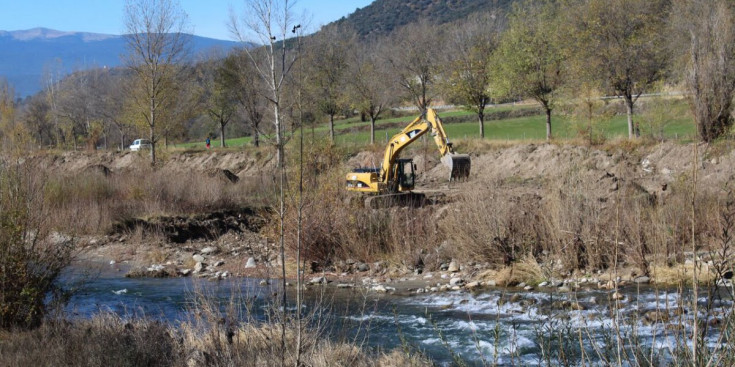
point(372, 130)
point(481, 120)
point(222, 135)
point(256, 138)
point(633, 130)
point(153, 146)
point(548, 123)
point(152, 125)
point(331, 127)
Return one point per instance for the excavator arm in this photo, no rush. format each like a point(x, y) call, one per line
point(386, 179)
point(459, 164)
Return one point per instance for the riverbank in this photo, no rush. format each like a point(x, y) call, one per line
point(529, 212)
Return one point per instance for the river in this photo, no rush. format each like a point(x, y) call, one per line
point(494, 326)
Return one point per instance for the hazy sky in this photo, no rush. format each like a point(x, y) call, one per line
point(208, 17)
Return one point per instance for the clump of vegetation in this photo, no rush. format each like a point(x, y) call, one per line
point(31, 259)
point(216, 335)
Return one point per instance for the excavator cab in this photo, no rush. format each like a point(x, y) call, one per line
point(405, 174)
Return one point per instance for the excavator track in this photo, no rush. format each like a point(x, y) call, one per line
point(402, 199)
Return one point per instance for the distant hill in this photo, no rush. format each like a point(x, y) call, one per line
point(24, 55)
point(383, 16)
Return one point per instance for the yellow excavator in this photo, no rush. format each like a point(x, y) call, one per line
point(393, 182)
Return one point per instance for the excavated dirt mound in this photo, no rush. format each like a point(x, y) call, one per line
point(649, 169)
point(228, 163)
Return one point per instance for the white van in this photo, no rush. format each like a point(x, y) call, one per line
point(139, 144)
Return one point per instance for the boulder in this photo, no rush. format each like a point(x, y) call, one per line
point(472, 285)
point(378, 266)
point(363, 267)
point(198, 258)
point(655, 316)
point(208, 250)
point(641, 280)
point(318, 280)
point(453, 267)
point(199, 267)
point(380, 289)
point(456, 281)
point(250, 263)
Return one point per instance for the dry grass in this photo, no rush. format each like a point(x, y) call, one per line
point(681, 274)
point(108, 340)
point(527, 270)
point(565, 223)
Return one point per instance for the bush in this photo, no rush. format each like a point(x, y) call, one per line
point(30, 260)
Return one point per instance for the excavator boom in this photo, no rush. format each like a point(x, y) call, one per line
point(396, 175)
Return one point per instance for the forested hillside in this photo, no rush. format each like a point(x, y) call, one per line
point(383, 16)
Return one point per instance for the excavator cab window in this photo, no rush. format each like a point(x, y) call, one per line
point(405, 174)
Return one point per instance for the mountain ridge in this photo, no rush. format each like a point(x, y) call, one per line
point(25, 54)
point(48, 33)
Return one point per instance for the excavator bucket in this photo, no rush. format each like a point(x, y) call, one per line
point(459, 166)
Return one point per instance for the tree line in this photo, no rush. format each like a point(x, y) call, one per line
point(550, 51)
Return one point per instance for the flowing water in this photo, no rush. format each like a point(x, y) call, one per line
point(494, 326)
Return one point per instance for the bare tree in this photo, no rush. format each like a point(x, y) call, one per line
point(37, 120)
point(156, 42)
point(704, 33)
point(413, 58)
point(369, 83)
point(76, 110)
point(242, 79)
point(222, 101)
point(621, 46)
point(111, 104)
point(470, 45)
point(327, 68)
point(51, 83)
point(270, 21)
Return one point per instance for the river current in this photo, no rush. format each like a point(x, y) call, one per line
point(494, 326)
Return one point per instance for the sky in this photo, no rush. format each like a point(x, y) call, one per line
point(208, 17)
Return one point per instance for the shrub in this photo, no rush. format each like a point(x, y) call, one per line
point(30, 260)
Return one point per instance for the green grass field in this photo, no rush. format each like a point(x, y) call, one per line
point(353, 131)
